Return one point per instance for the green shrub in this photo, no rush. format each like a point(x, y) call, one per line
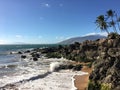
point(89, 65)
point(82, 59)
point(93, 86)
point(53, 55)
point(105, 86)
point(96, 86)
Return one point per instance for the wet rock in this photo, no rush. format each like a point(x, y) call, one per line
point(35, 59)
point(28, 51)
point(68, 66)
point(77, 67)
point(20, 52)
point(103, 53)
point(23, 56)
point(11, 53)
point(35, 55)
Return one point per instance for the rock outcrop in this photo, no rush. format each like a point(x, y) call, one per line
point(103, 53)
point(106, 69)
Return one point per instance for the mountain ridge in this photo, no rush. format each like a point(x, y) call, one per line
point(82, 38)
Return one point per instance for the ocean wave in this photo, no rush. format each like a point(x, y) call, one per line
point(38, 75)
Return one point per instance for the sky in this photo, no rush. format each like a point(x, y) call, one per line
point(50, 21)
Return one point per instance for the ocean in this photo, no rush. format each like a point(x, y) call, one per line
point(25, 74)
point(8, 62)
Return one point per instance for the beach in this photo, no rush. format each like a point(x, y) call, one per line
point(81, 81)
point(27, 74)
point(37, 75)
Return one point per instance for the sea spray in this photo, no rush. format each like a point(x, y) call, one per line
point(36, 76)
point(54, 66)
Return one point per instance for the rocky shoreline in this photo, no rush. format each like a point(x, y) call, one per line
point(68, 67)
point(103, 55)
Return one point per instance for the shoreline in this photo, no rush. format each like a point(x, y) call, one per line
point(81, 81)
point(75, 77)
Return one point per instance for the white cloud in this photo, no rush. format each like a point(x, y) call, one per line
point(102, 33)
point(60, 38)
point(47, 5)
point(68, 37)
point(18, 36)
point(2, 42)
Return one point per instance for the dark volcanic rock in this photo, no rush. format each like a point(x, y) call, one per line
point(105, 55)
point(28, 51)
point(35, 59)
point(106, 69)
point(35, 54)
point(19, 52)
point(77, 67)
point(23, 56)
point(69, 66)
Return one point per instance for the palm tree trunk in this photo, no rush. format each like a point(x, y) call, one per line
point(118, 25)
point(107, 31)
point(114, 27)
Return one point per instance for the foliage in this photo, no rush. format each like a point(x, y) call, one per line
point(53, 55)
point(105, 86)
point(109, 20)
point(93, 86)
point(101, 23)
point(90, 64)
point(96, 86)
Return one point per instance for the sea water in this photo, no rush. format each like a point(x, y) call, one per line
point(8, 62)
point(26, 74)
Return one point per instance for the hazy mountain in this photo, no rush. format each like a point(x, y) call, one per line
point(81, 39)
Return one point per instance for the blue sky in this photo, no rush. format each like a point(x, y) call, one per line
point(50, 21)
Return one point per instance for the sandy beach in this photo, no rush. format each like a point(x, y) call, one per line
point(81, 81)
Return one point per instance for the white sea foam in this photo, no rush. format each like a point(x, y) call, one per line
point(54, 65)
point(62, 80)
point(35, 76)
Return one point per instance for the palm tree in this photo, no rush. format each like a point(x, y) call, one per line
point(112, 24)
point(111, 14)
point(118, 21)
point(101, 23)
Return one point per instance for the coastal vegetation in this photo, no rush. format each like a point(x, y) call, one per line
point(110, 19)
point(103, 55)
